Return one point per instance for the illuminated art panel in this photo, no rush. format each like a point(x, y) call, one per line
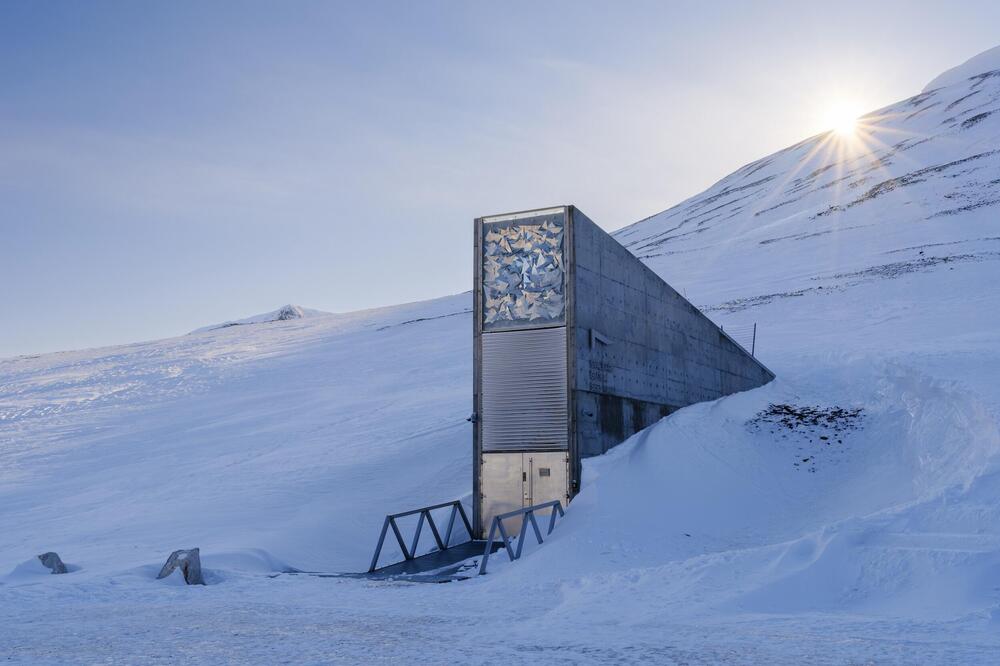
point(523, 274)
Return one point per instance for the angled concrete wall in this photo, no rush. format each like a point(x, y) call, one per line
point(640, 350)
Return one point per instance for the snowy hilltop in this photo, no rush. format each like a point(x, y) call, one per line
point(984, 65)
point(284, 313)
point(847, 512)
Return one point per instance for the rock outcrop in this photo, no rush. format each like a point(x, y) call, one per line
point(188, 561)
point(53, 562)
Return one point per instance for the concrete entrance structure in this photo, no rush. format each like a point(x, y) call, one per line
point(577, 345)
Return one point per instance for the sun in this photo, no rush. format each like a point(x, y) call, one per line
point(846, 126)
point(842, 119)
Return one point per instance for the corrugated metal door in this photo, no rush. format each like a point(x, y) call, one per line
point(524, 396)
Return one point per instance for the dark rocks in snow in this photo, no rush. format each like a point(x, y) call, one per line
point(52, 561)
point(289, 312)
point(284, 313)
point(795, 417)
point(889, 271)
point(978, 118)
point(188, 561)
point(813, 429)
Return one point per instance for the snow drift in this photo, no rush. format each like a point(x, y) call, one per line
point(723, 533)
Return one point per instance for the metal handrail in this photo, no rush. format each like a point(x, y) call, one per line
point(425, 514)
point(529, 516)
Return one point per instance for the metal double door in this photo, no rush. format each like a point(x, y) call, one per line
point(513, 480)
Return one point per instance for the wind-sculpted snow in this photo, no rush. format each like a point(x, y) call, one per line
point(730, 532)
point(302, 434)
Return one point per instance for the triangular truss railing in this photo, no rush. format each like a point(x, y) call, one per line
point(425, 516)
point(528, 512)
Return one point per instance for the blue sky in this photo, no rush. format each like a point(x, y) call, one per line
point(167, 165)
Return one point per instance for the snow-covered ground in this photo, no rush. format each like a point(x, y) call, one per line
point(730, 532)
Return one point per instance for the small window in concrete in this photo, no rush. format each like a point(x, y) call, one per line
point(544, 471)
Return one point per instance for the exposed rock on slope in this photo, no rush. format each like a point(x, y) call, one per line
point(284, 313)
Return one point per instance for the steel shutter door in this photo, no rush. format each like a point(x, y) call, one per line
point(524, 399)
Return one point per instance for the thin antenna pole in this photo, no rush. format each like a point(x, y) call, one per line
point(753, 345)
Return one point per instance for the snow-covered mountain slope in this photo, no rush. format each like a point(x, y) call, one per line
point(987, 61)
point(917, 189)
point(284, 313)
point(847, 512)
point(233, 437)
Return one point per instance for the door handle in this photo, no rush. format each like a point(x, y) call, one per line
point(531, 479)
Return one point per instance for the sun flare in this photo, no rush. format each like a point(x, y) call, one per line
point(842, 119)
point(846, 126)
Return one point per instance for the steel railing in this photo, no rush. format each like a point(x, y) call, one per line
point(425, 516)
point(745, 335)
point(529, 517)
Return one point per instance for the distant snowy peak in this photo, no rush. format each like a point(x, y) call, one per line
point(284, 313)
point(984, 63)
